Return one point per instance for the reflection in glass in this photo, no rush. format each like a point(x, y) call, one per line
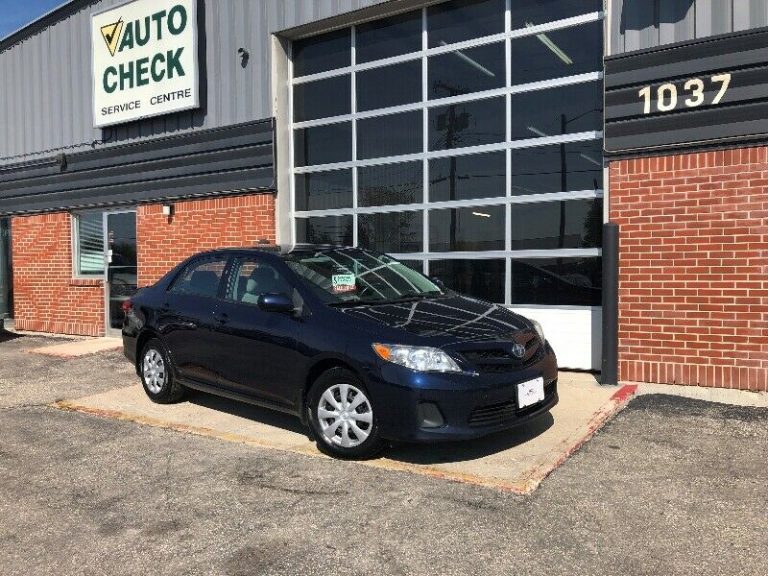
point(417, 265)
point(559, 53)
point(466, 71)
point(389, 86)
point(526, 13)
point(397, 232)
point(557, 281)
point(563, 110)
point(479, 278)
point(322, 98)
point(388, 37)
point(467, 177)
point(390, 135)
point(390, 184)
point(559, 168)
point(467, 229)
point(334, 230)
point(553, 225)
point(322, 53)
point(324, 190)
point(467, 124)
point(323, 144)
point(461, 20)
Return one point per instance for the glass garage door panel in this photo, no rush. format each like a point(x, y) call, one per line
point(388, 37)
point(557, 282)
point(477, 277)
point(390, 184)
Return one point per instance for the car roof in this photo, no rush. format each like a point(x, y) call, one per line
point(275, 249)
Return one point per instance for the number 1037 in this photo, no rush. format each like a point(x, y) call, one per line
point(693, 95)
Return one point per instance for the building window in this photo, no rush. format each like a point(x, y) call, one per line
point(88, 244)
point(464, 138)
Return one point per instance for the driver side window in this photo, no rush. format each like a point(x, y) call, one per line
point(250, 279)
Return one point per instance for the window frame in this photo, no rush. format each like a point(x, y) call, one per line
point(77, 274)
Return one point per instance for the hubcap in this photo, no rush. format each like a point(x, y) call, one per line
point(154, 371)
point(345, 416)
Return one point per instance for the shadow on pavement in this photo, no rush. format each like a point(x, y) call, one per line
point(6, 336)
point(425, 453)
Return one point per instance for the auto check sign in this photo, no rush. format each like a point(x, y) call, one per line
point(144, 60)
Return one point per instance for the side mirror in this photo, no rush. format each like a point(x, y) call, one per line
point(281, 303)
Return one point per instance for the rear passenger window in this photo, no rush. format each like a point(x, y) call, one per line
point(200, 278)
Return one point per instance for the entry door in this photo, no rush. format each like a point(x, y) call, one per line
point(121, 266)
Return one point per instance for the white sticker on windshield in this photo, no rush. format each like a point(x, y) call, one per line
point(343, 283)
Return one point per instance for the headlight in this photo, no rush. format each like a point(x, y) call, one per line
point(417, 358)
point(539, 330)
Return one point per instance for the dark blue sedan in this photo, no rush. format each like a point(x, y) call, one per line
point(358, 345)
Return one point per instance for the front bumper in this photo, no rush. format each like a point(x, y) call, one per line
point(471, 406)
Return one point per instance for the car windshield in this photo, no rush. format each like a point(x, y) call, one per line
point(349, 276)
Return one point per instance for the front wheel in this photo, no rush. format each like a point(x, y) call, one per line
point(157, 376)
point(342, 416)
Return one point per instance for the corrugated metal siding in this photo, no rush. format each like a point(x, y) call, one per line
point(45, 81)
point(640, 24)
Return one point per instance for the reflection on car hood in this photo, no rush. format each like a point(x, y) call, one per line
point(454, 317)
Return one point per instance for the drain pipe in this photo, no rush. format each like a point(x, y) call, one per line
point(610, 366)
point(5, 280)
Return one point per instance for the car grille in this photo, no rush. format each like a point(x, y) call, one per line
point(502, 412)
point(500, 360)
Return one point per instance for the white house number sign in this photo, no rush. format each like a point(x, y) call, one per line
point(670, 97)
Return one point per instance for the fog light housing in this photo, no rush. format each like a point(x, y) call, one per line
point(430, 416)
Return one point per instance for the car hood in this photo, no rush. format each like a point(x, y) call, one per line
point(447, 319)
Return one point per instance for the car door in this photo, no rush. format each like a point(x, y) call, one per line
point(186, 319)
point(258, 349)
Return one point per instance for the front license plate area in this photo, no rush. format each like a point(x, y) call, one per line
point(530, 393)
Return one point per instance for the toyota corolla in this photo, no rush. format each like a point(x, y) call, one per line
point(362, 348)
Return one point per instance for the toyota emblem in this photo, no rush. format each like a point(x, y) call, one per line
point(518, 350)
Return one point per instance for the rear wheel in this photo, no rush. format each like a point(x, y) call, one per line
point(342, 416)
point(157, 375)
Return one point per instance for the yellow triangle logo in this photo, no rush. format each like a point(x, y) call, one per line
point(111, 34)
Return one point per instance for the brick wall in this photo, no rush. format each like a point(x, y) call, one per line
point(693, 273)
point(46, 297)
point(200, 225)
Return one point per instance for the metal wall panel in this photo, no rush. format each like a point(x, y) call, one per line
point(45, 80)
point(642, 24)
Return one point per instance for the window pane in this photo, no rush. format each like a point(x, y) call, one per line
point(391, 135)
point(398, 232)
point(467, 124)
point(464, 20)
point(323, 144)
point(200, 279)
point(559, 53)
point(388, 37)
point(90, 244)
point(559, 168)
point(389, 86)
point(560, 281)
point(322, 53)
point(564, 110)
point(530, 12)
point(322, 98)
point(336, 230)
point(566, 224)
point(482, 279)
point(324, 190)
point(468, 177)
point(390, 184)
point(466, 71)
point(251, 279)
point(465, 229)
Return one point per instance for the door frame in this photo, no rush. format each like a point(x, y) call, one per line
point(108, 330)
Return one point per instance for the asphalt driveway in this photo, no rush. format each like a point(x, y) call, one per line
point(670, 486)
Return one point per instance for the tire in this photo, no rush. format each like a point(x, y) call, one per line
point(348, 431)
point(157, 374)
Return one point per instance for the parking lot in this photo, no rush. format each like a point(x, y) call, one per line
point(669, 486)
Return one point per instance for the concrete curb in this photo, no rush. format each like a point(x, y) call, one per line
point(529, 483)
